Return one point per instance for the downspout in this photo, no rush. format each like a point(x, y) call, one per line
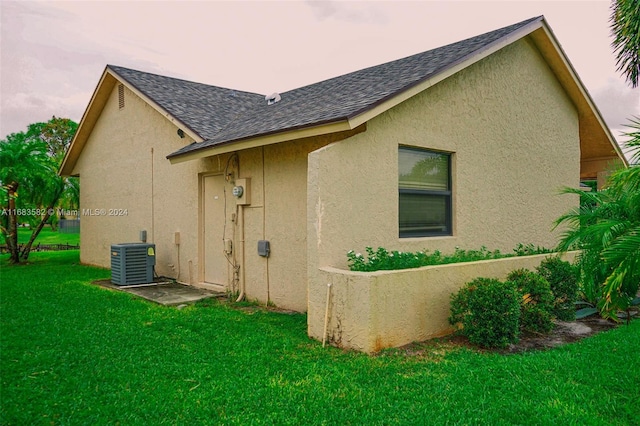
point(264, 226)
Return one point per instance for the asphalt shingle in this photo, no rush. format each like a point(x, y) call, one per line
point(223, 116)
point(205, 109)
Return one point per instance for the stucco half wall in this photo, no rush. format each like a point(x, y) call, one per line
point(370, 311)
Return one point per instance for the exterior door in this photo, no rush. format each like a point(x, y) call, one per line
point(215, 262)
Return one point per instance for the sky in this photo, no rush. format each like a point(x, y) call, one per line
point(53, 53)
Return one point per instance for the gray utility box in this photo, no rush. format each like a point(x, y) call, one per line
point(132, 263)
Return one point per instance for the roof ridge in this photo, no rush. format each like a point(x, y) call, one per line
point(345, 96)
point(117, 67)
point(515, 26)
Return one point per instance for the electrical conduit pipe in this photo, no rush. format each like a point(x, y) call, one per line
point(242, 278)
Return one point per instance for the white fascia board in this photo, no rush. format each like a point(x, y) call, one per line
point(263, 140)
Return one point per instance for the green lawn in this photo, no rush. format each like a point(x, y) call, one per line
point(47, 236)
point(74, 353)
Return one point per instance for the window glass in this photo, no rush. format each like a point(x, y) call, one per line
point(424, 184)
point(423, 170)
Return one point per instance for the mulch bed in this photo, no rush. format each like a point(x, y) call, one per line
point(564, 333)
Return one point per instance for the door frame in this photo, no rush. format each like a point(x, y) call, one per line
point(201, 235)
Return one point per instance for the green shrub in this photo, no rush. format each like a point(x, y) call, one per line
point(562, 277)
point(381, 259)
point(530, 249)
point(460, 304)
point(536, 300)
point(488, 311)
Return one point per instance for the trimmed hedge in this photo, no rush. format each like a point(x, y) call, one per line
point(563, 279)
point(536, 300)
point(491, 312)
point(488, 311)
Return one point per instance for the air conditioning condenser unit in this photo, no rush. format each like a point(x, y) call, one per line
point(132, 263)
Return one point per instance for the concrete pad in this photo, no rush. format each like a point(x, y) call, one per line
point(164, 293)
point(171, 294)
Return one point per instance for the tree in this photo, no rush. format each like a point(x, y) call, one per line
point(56, 134)
point(21, 161)
point(625, 26)
point(606, 226)
point(43, 190)
point(607, 229)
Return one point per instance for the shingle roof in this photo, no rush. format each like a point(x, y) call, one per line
point(221, 117)
point(205, 109)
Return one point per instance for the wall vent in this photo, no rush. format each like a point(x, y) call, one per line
point(120, 96)
point(132, 263)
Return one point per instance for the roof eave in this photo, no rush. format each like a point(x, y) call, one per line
point(576, 89)
point(334, 126)
point(89, 118)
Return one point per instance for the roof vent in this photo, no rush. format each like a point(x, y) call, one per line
point(120, 96)
point(273, 98)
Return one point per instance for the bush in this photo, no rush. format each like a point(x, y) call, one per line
point(488, 311)
point(383, 259)
point(563, 280)
point(536, 300)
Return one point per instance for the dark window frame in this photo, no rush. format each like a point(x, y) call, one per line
point(448, 196)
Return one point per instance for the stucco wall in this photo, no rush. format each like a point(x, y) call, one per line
point(123, 166)
point(515, 142)
point(369, 311)
point(514, 136)
point(277, 213)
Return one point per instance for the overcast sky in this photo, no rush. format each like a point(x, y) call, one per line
point(52, 53)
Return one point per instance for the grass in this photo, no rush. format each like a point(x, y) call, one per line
point(74, 353)
point(47, 236)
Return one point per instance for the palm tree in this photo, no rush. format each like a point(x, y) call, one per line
point(625, 26)
point(20, 161)
point(48, 189)
point(606, 227)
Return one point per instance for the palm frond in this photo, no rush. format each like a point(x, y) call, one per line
point(625, 26)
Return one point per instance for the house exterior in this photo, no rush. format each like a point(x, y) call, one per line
point(463, 146)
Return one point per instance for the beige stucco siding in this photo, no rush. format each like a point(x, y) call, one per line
point(277, 213)
point(514, 139)
point(512, 132)
point(123, 166)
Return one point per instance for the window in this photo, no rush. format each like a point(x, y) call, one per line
point(424, 184)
